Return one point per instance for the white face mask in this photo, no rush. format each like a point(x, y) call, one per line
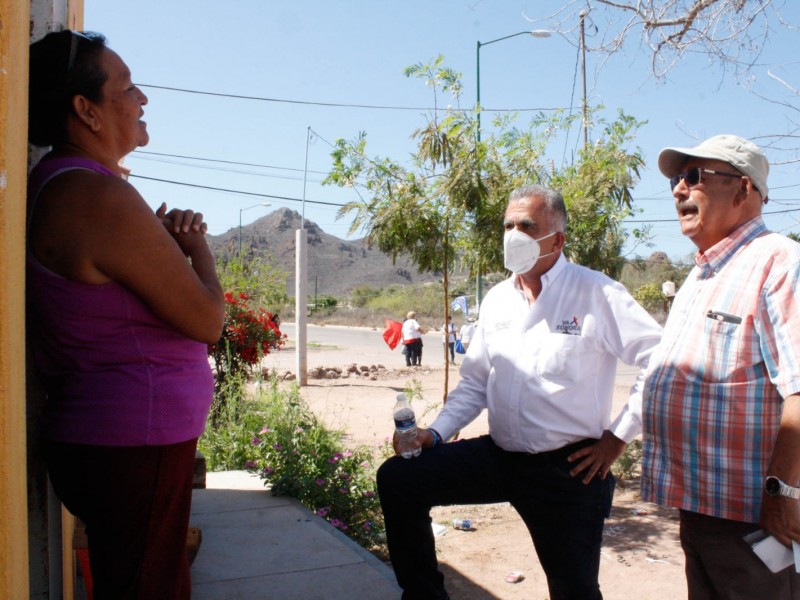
point(521, 251)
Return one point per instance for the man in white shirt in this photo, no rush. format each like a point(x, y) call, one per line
point(542, 363)
point(466, 332)
point(412, 338)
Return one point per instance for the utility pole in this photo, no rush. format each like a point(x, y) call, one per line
point(301, 284)
point(583, 77)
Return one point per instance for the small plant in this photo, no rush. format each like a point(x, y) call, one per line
point(247, 336)
point(299, 457)
point(628, 465)
point(227, 440)
point(277, 436)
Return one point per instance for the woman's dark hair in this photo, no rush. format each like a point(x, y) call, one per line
point(63, 64)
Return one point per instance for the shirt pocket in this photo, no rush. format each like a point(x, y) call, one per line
point(722, 349)
point(561, 358)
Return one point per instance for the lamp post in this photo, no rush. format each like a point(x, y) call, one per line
point(583, 79)
point(537, 33)
point(241, 210)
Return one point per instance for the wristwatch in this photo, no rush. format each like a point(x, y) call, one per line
point(775, 487)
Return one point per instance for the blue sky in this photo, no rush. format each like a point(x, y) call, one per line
point(306, 55)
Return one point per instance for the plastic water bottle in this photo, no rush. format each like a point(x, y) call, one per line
point(464, 524)
point(405, 423)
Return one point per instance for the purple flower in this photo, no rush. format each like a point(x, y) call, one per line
point(277, 447)
point(320, 481)
point(250, 464)
point(323, 511)
point(268, 471)
point(335, 458)
point(344, 491)
point(369, 494)
point(265, 430)
point(336, 523)
point(348, 454)
point(255, 441)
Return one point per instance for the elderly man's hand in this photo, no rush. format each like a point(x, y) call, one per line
point(597, 458)
point(780, 517)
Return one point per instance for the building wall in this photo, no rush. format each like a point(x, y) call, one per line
point(13, 157)
point(24, 573)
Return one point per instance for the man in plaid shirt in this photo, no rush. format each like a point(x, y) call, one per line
point(721, 405)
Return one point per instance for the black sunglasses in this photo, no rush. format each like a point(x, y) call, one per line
point(75, 39)
point(694, 176)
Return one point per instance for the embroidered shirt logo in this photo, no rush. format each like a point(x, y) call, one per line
point(569, 326)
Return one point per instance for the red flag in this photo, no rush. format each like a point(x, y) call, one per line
point(392, 333)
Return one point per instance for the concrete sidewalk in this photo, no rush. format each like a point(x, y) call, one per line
point(258, 546)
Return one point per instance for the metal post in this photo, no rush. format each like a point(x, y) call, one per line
point(583, 77)
point(537, 33)
point(300, 307)
point(301, 284)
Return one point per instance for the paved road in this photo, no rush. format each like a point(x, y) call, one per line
point(334, 345)
point(361, 339)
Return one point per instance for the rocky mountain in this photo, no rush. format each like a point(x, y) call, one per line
point(335, 266)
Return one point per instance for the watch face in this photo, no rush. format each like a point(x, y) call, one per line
point(772, 485)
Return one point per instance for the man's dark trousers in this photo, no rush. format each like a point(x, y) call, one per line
point(564, 517)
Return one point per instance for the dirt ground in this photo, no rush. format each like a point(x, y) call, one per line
point(641, 554)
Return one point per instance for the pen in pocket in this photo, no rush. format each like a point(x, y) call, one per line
point(721, 316)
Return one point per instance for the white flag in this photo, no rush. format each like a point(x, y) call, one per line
point(460, 303)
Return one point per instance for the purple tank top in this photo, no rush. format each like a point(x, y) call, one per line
point(114, 373)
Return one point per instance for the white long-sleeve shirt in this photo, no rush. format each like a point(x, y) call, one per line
point(545, 370)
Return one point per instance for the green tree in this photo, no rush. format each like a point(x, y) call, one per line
point(256, 277)
point(448, 204)
point(597, 190)
point(416, 210)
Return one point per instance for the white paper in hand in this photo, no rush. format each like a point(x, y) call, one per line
point(774, 554)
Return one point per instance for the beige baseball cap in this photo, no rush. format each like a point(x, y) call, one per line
point(740, 153)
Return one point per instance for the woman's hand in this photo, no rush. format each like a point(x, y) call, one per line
point(179, 223)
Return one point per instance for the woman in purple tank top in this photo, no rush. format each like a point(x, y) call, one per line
point(123, 303)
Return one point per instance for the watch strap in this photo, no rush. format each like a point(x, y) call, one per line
point(784, 489)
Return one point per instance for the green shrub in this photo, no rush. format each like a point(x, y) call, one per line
point(628, 465)
point(277, 436)
point(227, 440)
point(651, 298)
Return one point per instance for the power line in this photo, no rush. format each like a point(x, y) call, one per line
point(338, 105)
point(226, 162)
point(216, 189)
point(675, 220)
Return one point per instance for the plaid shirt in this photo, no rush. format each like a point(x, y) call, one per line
point(713, 397)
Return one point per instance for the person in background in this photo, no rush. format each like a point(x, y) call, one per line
point(123, 303)
point(449, 338)
point(542, 363)
point(412, 338)
point(466, 332)
point(721, 403)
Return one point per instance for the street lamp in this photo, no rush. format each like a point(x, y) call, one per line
point(537, 33)
point(241, 210)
